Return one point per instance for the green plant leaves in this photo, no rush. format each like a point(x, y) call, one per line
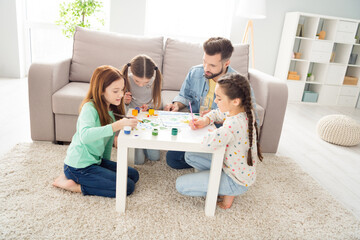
point(76, 13)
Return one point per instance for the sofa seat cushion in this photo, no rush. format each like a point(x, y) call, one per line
point(67, 99)
point(168, 96)
point(95, 48)
point(180, 56)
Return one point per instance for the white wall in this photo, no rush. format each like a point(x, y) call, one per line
point(10, 66)
point(268, 31)
point(128, 17)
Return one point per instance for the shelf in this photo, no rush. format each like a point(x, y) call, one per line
point(299, 60)
point(304, 38)
point(326, 50)
point(309, 82)
point(328, 27)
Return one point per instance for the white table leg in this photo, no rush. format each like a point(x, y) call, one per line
point(214, 181)
point(131, 157)
point(121, 178)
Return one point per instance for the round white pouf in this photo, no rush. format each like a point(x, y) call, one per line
point(339, 129)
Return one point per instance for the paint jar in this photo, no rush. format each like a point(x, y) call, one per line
point(151, 111)
point(134, 112)
point(127, 130)
point(174, 131)
point(138, 109)
point(155, 132)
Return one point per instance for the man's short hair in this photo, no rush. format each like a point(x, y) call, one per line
point(217, 45)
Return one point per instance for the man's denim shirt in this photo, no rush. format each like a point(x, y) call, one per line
point(196, 86)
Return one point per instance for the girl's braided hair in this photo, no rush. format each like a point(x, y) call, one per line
point(235, 86)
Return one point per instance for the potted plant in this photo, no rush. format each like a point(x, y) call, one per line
point(310, 77)
point(77, 13)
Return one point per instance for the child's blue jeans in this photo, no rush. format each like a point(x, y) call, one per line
point(151, 154)
point(196, 184)
point(100, 180)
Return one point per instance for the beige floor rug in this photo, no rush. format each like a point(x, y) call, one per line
point(285, 203)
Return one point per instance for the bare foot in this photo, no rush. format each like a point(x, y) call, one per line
point(220, 198)
point(226, 202)
point(67, 184)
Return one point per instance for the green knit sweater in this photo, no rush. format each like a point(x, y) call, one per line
point(91, 142)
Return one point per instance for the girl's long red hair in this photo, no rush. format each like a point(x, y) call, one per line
point(102, 77)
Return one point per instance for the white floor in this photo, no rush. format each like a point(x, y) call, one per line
point(336, 168)
point(14, 116)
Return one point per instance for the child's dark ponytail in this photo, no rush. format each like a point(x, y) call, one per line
point(157, 88)
point(237, 86)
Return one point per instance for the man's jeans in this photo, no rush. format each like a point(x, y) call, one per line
point(176, 159)
point(100, 180)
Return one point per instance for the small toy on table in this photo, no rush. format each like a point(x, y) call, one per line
point(134, 112)
point(127, 130)
point(155, 132)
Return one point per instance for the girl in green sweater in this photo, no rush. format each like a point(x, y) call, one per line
point(88, 169)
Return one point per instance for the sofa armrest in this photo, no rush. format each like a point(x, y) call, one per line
point(272, 94)
point(44, 80)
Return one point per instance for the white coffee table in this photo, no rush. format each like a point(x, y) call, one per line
point(186, 140)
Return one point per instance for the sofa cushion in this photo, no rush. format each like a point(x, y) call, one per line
point(180, 56)
point(67, 99)
point(95, 48)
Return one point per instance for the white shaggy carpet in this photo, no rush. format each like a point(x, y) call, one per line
point(284, 203)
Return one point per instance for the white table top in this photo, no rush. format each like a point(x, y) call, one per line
point(142, 135)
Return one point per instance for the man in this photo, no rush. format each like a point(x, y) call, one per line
point(200, 84)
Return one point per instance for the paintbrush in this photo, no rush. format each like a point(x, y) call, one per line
point(192, 116)
point(124, 116)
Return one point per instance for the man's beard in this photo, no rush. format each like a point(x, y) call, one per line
point(214, 75)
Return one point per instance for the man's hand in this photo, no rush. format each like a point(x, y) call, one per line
point(175, 107)
point(171, 107)
point(127, 98)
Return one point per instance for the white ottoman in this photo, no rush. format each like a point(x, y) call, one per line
point(339, 129)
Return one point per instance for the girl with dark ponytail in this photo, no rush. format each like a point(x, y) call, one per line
point(239, 134)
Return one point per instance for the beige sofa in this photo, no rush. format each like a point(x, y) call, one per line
point(57, 89)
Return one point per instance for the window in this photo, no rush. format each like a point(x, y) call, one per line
point(46, 41)
point(193, 20)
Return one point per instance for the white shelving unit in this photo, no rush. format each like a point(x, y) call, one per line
point(326, 59)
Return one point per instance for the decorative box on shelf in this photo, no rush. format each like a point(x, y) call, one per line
point(293, 76)
point(349, 80)
point(310, 96)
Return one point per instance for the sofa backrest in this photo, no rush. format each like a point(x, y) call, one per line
point(180, 56)
point(95, 48)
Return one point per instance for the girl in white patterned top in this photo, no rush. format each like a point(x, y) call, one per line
point(240, 136)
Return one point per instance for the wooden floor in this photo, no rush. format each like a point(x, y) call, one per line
point(335, 168)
